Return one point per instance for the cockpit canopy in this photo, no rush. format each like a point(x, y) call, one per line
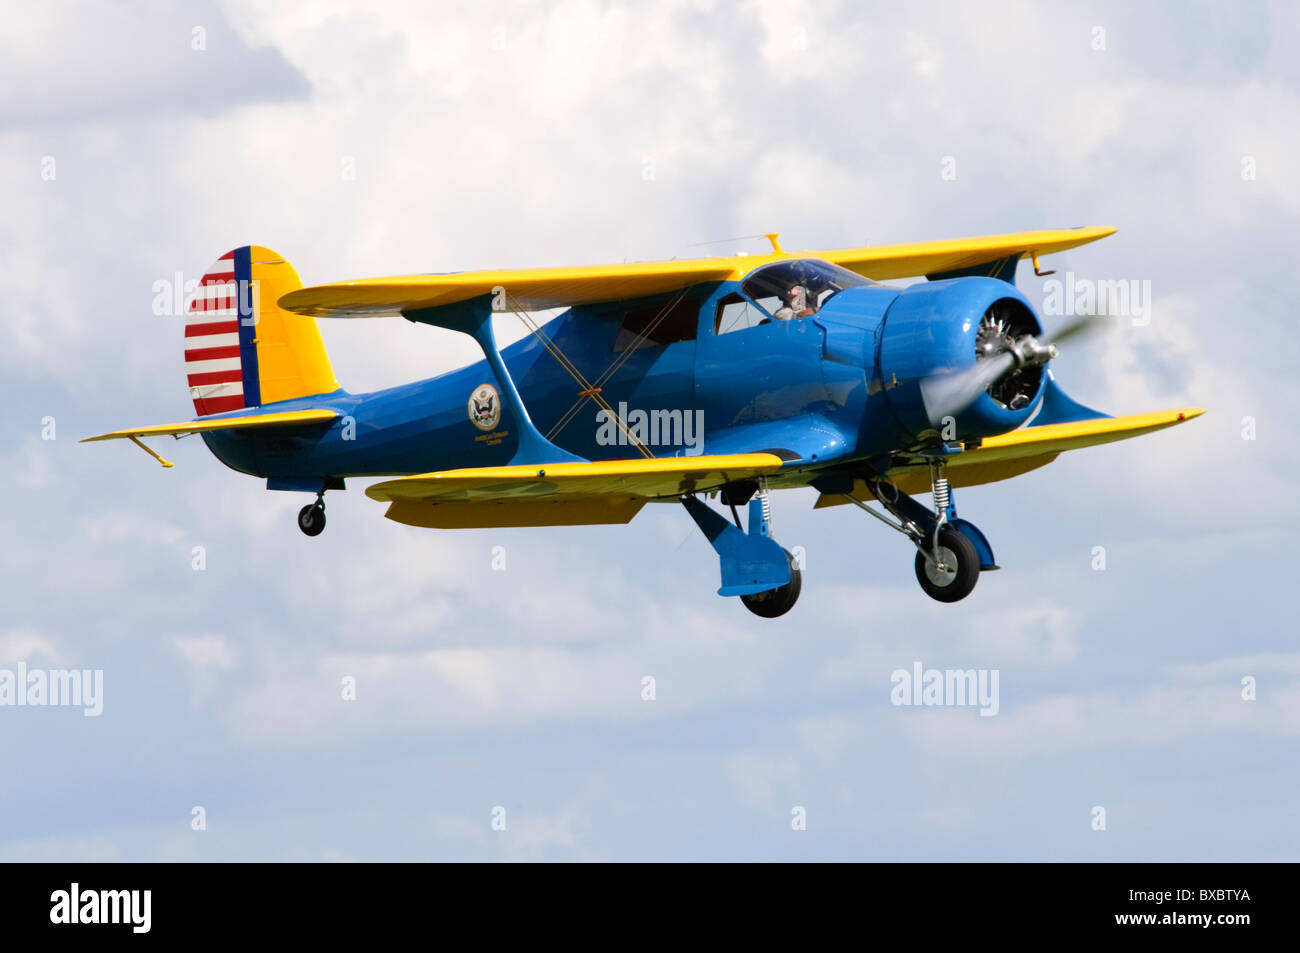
point(804, 284)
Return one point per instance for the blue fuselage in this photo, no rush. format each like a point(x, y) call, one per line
point(838, 385)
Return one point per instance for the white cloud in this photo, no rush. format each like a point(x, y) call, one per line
point(827, 736)
point(1043, 635)
point(30, 646)
point(760, 778)
point(206, 651)
point(1160, 713)
point(470, 156)
point(80, 848)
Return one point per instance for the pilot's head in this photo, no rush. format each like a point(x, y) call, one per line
point(797, 297)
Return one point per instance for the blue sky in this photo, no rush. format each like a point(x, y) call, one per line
point(518, 134)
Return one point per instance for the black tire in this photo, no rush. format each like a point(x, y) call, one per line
point(311, 519)
point(954, 584)
point(776, 602)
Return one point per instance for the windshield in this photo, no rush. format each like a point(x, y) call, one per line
point(798, 288)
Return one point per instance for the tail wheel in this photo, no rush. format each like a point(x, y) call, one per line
point(779, 601)
point(311, 519)
point(954, 575)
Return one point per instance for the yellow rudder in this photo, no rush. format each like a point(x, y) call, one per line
point(291, 357)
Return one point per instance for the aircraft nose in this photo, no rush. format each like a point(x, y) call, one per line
point(943, 355)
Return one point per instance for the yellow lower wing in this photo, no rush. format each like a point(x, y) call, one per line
point(1017, 452)
point(287, 418)
point(556, 494)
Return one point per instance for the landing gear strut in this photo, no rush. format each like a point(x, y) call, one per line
point(753, 565)
point(776, 602)
point(311, 518)
point(950, 552)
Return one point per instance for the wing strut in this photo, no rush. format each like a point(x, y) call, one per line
point(136, 440)
point(587, 389)
point(593, 391)
point(474, 317)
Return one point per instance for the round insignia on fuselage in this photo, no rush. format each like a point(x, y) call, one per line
point(485, 407)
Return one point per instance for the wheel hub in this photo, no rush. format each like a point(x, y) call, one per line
point(941, 568)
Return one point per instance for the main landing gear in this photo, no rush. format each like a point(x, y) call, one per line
point(950, 552)
point(776, 602)
point(311, 518)
point(949, 571)
point(754, 565)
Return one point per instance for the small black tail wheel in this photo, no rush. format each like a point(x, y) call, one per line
point(776, 602)
point(960, 570)
point(311, 519)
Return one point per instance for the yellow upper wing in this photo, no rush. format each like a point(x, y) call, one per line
point(535, 289)
point(884, 262)
point(530, 289)
point(603, 491)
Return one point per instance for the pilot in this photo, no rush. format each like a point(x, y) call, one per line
point(796, 304)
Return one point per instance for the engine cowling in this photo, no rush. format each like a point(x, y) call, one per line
point(944, 327)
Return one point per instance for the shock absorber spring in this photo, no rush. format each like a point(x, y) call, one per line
point(942, 495)
point(764, 499)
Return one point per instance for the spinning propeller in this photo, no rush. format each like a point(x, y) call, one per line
point(1008, 363)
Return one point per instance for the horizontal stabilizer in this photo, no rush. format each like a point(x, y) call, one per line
point(288, 418)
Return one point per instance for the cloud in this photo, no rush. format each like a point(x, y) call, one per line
point(1044, 635)
point(206, 651)
point(827, 736)
point(1282, 663)
point(28, 645)
point(1172, 711)
point(760, 778)
point(207, 68)
point(64, 848)
point(513, 134)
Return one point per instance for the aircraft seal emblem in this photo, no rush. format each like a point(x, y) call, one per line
point(485, 407)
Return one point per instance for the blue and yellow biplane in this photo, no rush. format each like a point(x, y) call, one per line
point(678, 381)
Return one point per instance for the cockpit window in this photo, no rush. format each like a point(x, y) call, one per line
point(798, 288)
point(734, 313)
point(658, 324)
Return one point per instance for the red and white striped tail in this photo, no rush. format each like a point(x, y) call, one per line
point(212, 351)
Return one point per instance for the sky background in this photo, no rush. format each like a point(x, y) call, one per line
point(508, 134)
